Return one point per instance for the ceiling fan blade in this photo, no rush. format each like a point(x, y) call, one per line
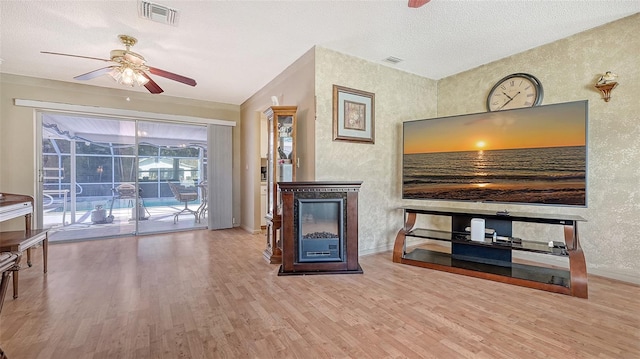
point(152, 86)
point(95, 73)
point(172, 76)
point(417, 3)
point(82, 57)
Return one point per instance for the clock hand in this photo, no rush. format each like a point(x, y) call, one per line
point(506, 95)
point(504, 104)
point(510, 99)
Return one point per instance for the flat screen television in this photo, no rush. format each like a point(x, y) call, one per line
point(535, 155)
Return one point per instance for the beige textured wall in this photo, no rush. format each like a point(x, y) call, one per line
point(399, 96)
point(293, 87)
point(17, 124)
point(568, 69)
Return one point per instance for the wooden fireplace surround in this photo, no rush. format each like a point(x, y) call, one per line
point(320, 190)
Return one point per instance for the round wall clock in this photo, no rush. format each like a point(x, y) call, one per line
point(515, 91)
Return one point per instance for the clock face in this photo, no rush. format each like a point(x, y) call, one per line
point(515, 91)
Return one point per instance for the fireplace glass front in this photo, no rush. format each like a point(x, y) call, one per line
point(320, 230)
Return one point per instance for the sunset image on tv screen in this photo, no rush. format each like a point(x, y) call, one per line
point(534, 155)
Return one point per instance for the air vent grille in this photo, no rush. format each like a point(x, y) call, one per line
point(158, 13)
point(393, 60)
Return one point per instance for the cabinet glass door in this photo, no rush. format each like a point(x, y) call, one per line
point(284, 166)
point(281, 154)
point(270, 168)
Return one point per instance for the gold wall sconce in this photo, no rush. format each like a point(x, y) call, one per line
point(606, 83)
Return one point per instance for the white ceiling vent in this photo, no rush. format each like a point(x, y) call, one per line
point(158, 13)
point(393, 60)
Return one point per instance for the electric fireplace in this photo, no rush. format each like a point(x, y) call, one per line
point(319, 227)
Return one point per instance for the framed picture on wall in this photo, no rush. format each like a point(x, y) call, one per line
point(353, 115)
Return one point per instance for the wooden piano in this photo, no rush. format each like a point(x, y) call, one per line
point(16, 205)
point(13, 206)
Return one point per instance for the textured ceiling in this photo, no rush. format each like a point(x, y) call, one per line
point(234, 48)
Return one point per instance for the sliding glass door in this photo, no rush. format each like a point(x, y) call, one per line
point(172, 155)
point(104, 177)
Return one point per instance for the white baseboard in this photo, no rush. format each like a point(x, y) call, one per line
point(384, 248)
point(629, 277)
point(250, 230)
point(411, 241)
point(621, 275)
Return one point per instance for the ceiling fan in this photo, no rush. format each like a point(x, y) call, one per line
point(129, 68)
point(417, 3)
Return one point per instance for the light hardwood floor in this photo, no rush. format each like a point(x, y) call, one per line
point(204, 294)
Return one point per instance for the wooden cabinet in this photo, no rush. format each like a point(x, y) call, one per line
point(319, 228)
point(491, 257)
point(281, 167)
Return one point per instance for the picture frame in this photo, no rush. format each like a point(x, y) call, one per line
point(353, 115)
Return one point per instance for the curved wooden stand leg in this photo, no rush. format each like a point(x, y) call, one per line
point(577, 263)
point(398, 247)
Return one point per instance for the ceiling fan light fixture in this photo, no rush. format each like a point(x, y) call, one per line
point(130, 68)
point(127, 76)
point(141, 80)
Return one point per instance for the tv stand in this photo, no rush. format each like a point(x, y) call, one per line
point(492, 258)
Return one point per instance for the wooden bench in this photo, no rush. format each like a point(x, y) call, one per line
point(21, 241)
point(8, 262)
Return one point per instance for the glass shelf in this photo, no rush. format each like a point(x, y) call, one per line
point(553, 276)
point(463, 237)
